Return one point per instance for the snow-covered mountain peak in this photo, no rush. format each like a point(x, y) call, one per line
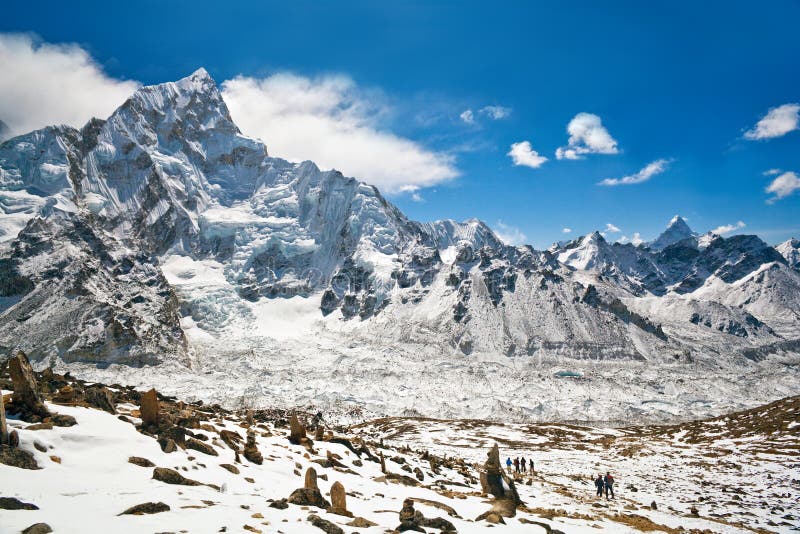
point(790, 250)
point(676, 231)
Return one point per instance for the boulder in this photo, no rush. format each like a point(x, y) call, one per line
point(325, 525)
point(141, 462)
point(27, 397)
point(360, 522)
point(173, 432)
point(100, 397)
point(12, 503)
point(16, 457)
point(59, 419)
point(148, 408)
point(230, 467)
point(170, 476)
point(231, 439)
point(199, 446)
point(38, 528)
point(339, 500)
point(147, 508)
point(280, 504)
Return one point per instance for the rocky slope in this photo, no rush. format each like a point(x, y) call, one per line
point(163, 236)
point(133, 462)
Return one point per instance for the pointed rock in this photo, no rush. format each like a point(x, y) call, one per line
point(339, 500)
point(26, 391)
point(3, 427)
point(148, 407)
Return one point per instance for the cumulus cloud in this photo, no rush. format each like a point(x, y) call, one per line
point(611, 228)
point(496, 113)
point(650, 170)
point(510, 235)
point(330, 121)
point(637, 239)
point(728, 228)
point(777, 122)
point(43, 84)
point(468, 116)
point(566, 230)
point(587, 135)
point(783, 186)
point(522, 153)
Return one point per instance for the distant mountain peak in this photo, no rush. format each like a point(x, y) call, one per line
point(677, 230)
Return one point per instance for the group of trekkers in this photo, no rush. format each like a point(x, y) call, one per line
point(520, 465)
point(604, 483)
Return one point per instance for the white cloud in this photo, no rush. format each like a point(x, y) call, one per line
point(587, 135)
point(777, 122)
point(650, 170)
point(496, 113)
point(637, 239)
point(416, 197)
point(612, 228)
point(728, 228)
point(330, 121)
point(566, 230)
point(523, 154)
point(783, 186)
point(467, 116)
point(510, 235)
point(771, 172)
point(43, 84)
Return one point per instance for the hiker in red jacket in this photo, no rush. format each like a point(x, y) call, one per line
point(609, 484)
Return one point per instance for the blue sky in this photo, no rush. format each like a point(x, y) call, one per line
point(675, 85)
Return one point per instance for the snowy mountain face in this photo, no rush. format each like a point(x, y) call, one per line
point(790, 250)
point(162, 235)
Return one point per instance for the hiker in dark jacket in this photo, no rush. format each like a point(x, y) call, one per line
point(522, 464)
point(609, 484)
point(516, 465)
point(530, 466)
point(598, 483)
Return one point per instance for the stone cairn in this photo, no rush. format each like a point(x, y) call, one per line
point(408, 518)
point(339, 500)
point(309, 494)
point(251, 451)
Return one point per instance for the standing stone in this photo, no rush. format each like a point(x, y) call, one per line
point(297, 433)
point(148, 408)
point(319, 434)
point(3, 427)
point(492, 479)
point(311, 479)
point(26, 391)
point(383, 463)
point(339, 500)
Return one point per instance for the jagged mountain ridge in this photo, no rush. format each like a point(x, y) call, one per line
point(163, 233)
